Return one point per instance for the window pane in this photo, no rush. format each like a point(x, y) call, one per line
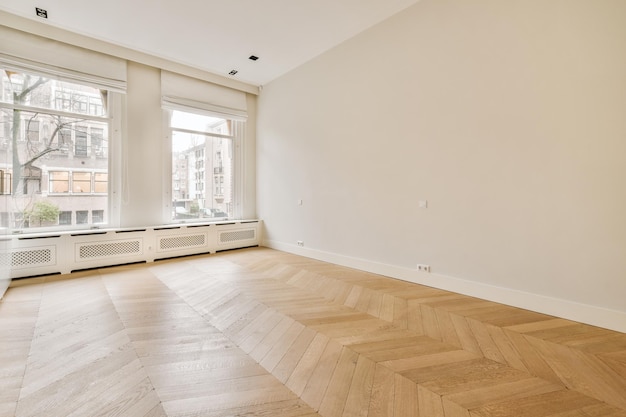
point(82, 217)
point(65, 218)
point(97, 216)
point(59, 182)
point(81, 182)
point(64, 140)
point(5, 183)
point(97, 142)
point(202, 167)
point(81, 141)
point(32, 130)
point(101, 182)
point(41, 149)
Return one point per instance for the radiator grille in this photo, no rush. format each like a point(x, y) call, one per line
point(237, 235)
point(28, 258)
point(101, 250)
point(180, 242)
point(32, 255)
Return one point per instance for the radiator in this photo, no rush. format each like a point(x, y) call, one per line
point(62, 253)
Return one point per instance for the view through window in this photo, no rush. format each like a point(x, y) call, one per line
point(54, 153)
point(202, 166)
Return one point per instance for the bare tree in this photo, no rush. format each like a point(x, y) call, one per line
point(22, 161)
point(20, 98)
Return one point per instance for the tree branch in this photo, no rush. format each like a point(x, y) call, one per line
point(30, 88)
point(39, 155)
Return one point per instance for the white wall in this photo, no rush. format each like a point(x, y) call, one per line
point(143, 150)
point(509, 118)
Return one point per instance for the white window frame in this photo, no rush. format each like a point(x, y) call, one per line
point(238, 139)
point(114, 121)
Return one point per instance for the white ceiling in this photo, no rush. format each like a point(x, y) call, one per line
point(218, 35)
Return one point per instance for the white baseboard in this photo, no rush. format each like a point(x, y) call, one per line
point(583, 313)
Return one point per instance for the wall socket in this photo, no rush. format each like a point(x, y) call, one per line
point(423, 267)
point(300, 243)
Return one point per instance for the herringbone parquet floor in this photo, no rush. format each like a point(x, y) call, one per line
point(259, 332)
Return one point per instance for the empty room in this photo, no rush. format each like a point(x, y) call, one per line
point(337, 208)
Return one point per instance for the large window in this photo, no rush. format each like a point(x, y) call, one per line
point(202, 155)
point(54, 137)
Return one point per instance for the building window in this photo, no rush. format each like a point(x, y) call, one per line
point(101, 182)
point(63, 100)
point(64, 140)
point(59, 181)
point(80, 148)
point(81, 182)
point(82, 217)
point(79, 103)
point(65, 218)
point(4, 219)
point(97, 140)
point(95, 106)
point(97, 216)
point(5, 182)
point(32, 131)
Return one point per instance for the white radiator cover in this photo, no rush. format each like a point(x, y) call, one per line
point(65, 252)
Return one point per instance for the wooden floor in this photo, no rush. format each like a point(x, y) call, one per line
point(259, 332)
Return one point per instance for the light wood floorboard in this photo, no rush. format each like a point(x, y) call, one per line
point(259, 332)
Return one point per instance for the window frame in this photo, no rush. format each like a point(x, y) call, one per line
point(238, 140)
point(111, 147)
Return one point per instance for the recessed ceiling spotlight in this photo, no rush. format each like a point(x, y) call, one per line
point(41, 12)
point(233, 72)
point(253, 57)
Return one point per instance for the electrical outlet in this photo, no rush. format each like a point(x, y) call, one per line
point(300, 243)
point(423, 267)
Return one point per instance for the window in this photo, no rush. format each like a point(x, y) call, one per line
point(59, 181)
point(82, 217)
point(65, 218)
point(50, 127)
point(81, 182)
point(97, 216)
point(97, 139)
point(63, 100)
point(80, 148)
point(79, 103)
point(207, 143)
point(65, 139)
point(32, 130)
point(5, 183)
point(101, 182)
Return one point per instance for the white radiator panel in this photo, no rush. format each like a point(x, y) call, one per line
point(236, 237)
point(182, 242)
point(66, 252)
point(42, 256)
point(110, 249)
